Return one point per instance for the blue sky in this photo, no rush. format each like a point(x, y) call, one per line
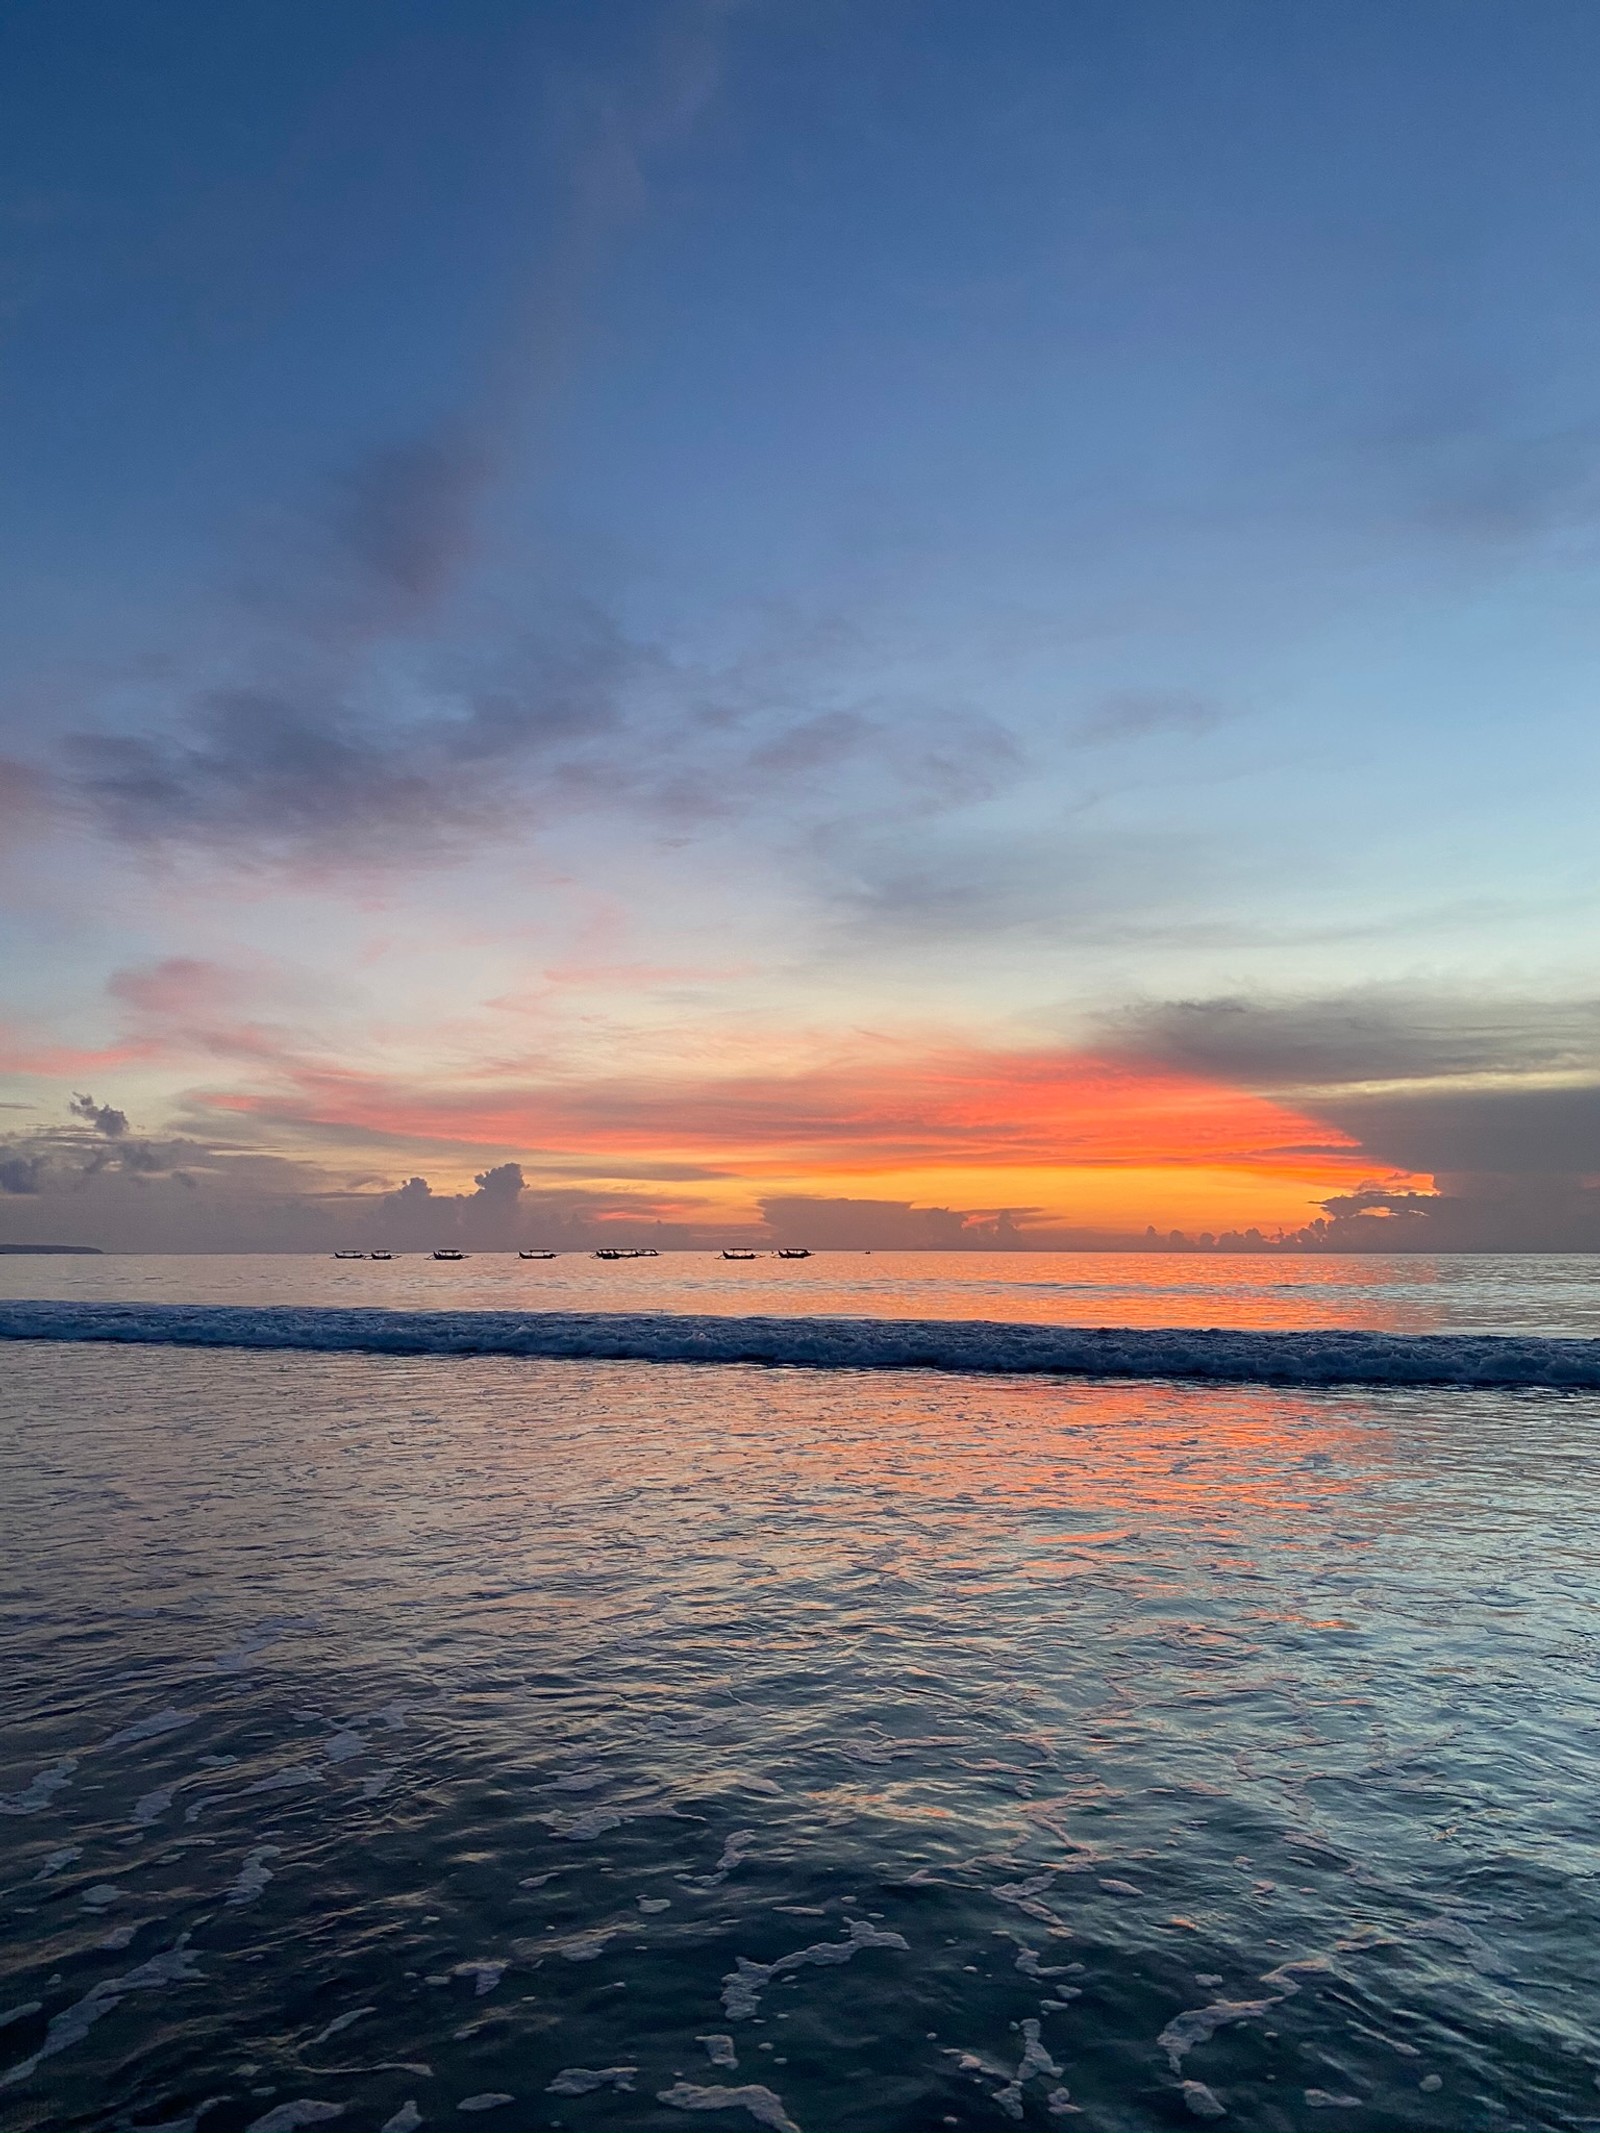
point(950, 527)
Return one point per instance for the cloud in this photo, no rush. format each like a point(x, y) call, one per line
point(310, 767)
point(102, 1117)
point(1465, 467)
point(1496, 1100)
point(1135, 714)
point(1372, 1035)
point(21, 1174)
point(1534, 1131)
point(403, 512)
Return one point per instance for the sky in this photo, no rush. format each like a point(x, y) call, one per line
point(721, 620)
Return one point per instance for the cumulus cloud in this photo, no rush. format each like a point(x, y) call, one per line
point(102, 1117)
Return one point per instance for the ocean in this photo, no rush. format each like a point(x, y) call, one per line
point(459, 1736)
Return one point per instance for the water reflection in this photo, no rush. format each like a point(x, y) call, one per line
point(1551, 1294)
point(506, 1709)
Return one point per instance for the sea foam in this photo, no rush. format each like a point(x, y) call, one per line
point(1335, 1356)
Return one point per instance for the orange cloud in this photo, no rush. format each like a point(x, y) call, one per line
point(1074, 1135)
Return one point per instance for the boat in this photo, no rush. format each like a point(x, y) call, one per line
point(738, 1255)
point(613, 1251)
point(793, 1251)
point(380, 1255)
point(536, 1255)
point(449, 1255)
point(349, 1255)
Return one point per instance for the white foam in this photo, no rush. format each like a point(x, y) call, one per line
point(20, 2012)
point(743, 1986)
point(719, 2050)
point(580, 1829)
point(733, 1854)
point(763, 2106)
point(489, 2100)
point(35, 1797)
point(289, 1780)
point(1204, 2102)
point(1337, 1355)
point(341, 2022)
point(253, 1875)
point(252, 1644)
point(405, 2120)
point(487, 1973)
point(579, 2080)
point(584, 1947)
point(286, 2117)
point(166, 1721)
point(174, 1966)
point(1197, 2025)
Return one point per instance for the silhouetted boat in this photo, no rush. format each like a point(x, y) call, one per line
point(793, 1251)
point(349, 1255)
point(738, 1255)
point(536, 1255)
point(380, 1255)
point(449, 1255)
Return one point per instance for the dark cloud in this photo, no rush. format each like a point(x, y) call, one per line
point(102, 1117)
point(1507, 1131)
point(404, 513)
point(309, 766)
point(21, 1174)
point(1497, 1101)
point(1368, 1036)
point(1469, 1214)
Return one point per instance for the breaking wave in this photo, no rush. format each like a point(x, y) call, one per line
point(1333, 1357)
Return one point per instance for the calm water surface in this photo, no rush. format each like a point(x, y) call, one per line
point(1508, 1293)
point(461, 1742)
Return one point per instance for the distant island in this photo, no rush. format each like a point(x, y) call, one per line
point(91, 1250)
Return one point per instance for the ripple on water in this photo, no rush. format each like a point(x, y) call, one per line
point(825, 1753)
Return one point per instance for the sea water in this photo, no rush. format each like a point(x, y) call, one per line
point(461, 1740)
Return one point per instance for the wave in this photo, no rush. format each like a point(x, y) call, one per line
point(1333, 1357)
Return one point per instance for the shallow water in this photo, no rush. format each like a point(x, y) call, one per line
point(395, 1732)
point(1482, 1293)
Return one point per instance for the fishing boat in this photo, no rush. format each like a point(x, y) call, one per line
point(449, 1255)
point(349, 1255)
point(738, 1255)
point(380, 1255)
point(613, 1251)
point(793, 1251)
point(536, 1255)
